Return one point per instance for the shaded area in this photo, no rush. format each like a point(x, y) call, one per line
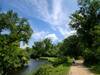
point(95, 69)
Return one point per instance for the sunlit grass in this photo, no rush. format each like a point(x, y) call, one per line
point(59, 69)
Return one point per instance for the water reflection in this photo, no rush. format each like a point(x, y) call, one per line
point(32, 66)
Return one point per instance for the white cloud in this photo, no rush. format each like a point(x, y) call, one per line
point(57, 18)
point(42, 35)
point(69, 33)
point(39, 35)
point(53, 37)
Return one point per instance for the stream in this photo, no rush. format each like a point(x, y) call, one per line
point(32, 67)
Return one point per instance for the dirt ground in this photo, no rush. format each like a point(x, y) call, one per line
point(79, 69)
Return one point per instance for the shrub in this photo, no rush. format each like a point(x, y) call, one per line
point(57, 61)
point(44, 69)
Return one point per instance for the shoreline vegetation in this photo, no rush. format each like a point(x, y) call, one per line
point(54, 67)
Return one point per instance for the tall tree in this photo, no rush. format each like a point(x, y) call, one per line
point(71, 47)
point(86, 21)
point(18, 29)
point(41, 48)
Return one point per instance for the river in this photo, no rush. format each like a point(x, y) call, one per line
point(32, 66)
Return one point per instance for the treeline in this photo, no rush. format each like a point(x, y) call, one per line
point(44, 48)
point(68, 47)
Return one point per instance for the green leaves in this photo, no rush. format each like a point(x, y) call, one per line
point(11, 56)
point(86, 21)
point(72, 46)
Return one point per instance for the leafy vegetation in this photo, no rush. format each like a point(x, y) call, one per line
point(71, 47)
point(94, 68)
point(86, 21)
point(55, 61)
point(51, 69)
point(44, 48)
point(11, 56)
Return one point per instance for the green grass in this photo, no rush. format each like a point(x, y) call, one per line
point(48, 69)
point(59, 69)
point(62, 69)
point(95, 69)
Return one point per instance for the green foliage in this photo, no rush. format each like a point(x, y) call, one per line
point(55, 61)
point(38, 49)
point(95, 68)
point(48, 69)
point(86, 21)
point(45, 70)
point(71, 47)
point(58, 61)
point(90, 56)
point(11, 56)
point(29, 51)
point(44, 48)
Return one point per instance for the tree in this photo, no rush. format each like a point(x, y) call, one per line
point(38, 49)
point(41, 48)
point(86, 21)
point(71, 47)
point(18, 30)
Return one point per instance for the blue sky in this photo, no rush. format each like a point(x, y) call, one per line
point(48, 18)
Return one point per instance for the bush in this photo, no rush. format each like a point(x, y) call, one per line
point(57, 61)
point(44, 70)
point(92, 56)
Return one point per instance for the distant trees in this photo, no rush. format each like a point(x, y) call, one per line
point(71, 47)
point(44, 48)
point(68, 47)
point(17, 29)
point(86, 21)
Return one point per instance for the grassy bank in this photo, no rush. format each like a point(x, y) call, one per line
point(95, 69)
point(53, 68)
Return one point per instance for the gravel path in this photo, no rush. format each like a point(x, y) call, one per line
point(79, 69)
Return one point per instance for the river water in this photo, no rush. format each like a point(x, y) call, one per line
point(32, 66)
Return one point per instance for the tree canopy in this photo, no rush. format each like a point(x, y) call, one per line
point(71, 47)
point(18, 29)
point(86, 21)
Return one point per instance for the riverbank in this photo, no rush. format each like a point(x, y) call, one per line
point(30, 69)
point(55, 68)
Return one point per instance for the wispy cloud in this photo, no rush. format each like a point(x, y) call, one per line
point(57, 16)
point(39, 35)
point(42, 35)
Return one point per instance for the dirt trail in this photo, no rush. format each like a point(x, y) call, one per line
point(79, 69)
